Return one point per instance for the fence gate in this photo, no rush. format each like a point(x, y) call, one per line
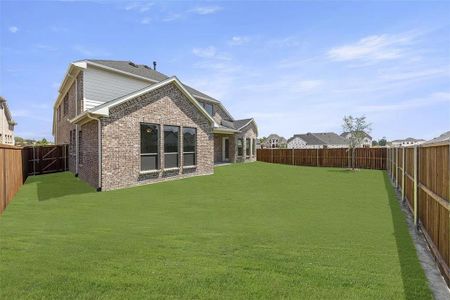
point(47, 159)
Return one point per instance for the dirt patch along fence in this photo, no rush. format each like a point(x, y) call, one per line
point(422, 175)
point(16, 163)
point(365, 158)
point(13, 172)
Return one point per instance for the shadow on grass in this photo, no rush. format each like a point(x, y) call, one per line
point(413, 277)
point(340, 170)
point(57, 185)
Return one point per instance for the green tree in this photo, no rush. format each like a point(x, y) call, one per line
point(357, 127)
point(382, 141)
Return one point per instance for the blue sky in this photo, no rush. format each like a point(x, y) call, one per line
point(295, 67)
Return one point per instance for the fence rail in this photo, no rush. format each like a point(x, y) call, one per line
point(365, 158)
point(16, 163)
point(422, 176)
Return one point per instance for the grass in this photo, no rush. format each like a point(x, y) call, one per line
point(248, 231)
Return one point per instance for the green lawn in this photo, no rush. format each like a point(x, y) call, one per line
point(248, 231)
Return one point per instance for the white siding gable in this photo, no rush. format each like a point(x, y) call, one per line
point(296, 143)
point(101, 86)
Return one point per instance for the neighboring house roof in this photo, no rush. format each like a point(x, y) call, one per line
point(344, 134)
point(445, 137)
point(103, 109)
point(410, 139)
point(321, 138)
point(309, 138)
point(7, 111)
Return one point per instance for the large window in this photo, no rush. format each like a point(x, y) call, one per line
point(171, 142)
point(189, 146)
point(240, 146)
point(149, 147)
point(247, 147)
point(253, 147)
point(208, 107)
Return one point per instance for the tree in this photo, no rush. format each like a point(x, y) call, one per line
point(357, 127)
point(374, 143)
point(382, 142)
point(42, 142)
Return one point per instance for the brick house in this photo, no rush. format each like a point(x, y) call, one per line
point(127, 124)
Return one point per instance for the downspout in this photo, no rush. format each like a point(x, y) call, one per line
point(99, 151)
point(76, 128)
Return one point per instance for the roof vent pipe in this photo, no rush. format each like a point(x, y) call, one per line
point(154, 65)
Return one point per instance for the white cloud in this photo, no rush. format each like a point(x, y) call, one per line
point(205, 10)
point(172, 17)
point(285, 42)
point(210, 53)
point(146, 21)
point(413, 75)
point(307, 85)
point(435, 98)
point(45, 47)
point(141, 6)
point(239, 40)
point(373, 48)
point(13, 29)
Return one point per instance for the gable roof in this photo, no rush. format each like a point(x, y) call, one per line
point(103, 109)
point(309, 138)
point(7, 111)
point(344, 134)
point(321, 138)
point(146, 72)
point(445, 137)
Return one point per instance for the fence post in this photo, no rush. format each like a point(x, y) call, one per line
point(403, 174)
point(293, 156)
point(396, 168)
point(415, 185)
point(271, 155)
point(317, 156)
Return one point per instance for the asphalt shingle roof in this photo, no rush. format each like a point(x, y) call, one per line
point(321, 138)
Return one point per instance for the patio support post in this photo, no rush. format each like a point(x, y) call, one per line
point(396, 168)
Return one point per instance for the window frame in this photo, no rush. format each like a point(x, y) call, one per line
point(158, 144)
point(204, 104)
point(171, 153)
point(240, 147)
point(190, 152)
point(253, 147)
point(248, 152)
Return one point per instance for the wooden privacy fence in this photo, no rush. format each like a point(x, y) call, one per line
point(13, 173)
point(47, 159)
point(17, 163)
point(365, 158)
point(421, 174)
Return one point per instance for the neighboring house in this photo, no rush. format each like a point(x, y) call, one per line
point(407, 142)
point(366, 142)
point(127, 124)
point(6, 124)
point(274, 141)
point(443, 138)
point(317, 140)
